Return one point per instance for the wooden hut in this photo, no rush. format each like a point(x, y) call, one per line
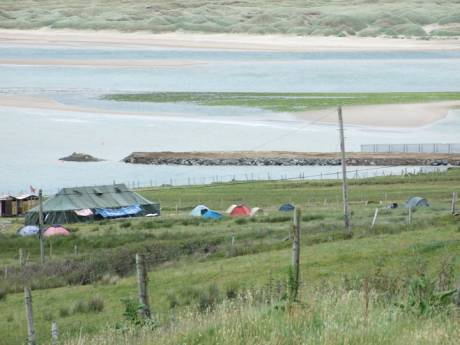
point(8, 206)
point(25, 202)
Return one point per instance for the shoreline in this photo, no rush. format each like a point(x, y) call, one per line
point(289, 158)
point(379, 116)
point(146, 40)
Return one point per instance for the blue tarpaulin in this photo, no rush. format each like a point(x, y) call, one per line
point(118, 212)
point(210, 214)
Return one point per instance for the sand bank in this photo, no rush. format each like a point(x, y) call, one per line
point(145, 40)
point(101, 63)
point(389, 115)
point(385, 115)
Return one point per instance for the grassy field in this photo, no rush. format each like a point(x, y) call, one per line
point(204, 291)
point(289, 102)
point(411, 18)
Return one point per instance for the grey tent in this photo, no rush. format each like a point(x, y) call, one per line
point(84, 204)
point(416, 201)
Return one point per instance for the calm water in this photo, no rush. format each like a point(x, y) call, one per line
point(34, 139)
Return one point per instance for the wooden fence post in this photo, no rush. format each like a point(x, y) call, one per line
point(454, 201)
point(31, 337)
point(142, 281)
point(296, 254)
point(22, 257)
point(374, 220)
point(54, 333)
point(41, 226)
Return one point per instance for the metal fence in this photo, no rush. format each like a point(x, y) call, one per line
point(411, 148)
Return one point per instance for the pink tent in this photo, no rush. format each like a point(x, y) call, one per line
point(56, 231)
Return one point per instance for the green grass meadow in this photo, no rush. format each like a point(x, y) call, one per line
point(286, 102)
point(382, 286)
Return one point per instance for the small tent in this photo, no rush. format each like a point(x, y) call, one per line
point(29, 230)
point(240, 211)
point(210, 214)
point(230, 209)
point(199, 210)
point(256, 211)
point(416, 201)
point(287, 207)
point(56, 230)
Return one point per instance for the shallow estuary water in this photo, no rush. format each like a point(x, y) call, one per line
point(33, 138)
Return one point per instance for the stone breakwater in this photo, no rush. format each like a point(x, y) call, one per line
point(287, 159)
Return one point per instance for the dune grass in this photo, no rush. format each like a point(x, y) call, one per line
point(410, 18)
point(286, 102)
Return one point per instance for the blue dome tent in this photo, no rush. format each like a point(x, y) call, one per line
point(210, 214)
point(287, 208)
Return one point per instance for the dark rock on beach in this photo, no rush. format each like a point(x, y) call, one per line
point(80, 157)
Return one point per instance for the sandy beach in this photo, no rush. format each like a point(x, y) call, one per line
point(388, 115)
point(145, 40)
point(385, 115)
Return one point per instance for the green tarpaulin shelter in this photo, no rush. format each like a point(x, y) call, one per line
point(67, 205)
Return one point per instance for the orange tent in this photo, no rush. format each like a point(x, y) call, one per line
point(241, 211)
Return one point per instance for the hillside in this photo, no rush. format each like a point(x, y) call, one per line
point(316, 18)
point(206, 291)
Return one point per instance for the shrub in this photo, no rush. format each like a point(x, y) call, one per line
point(64, 312)
point(3, 294)
point(208, 299)
point(231, 291)
point(125, 224)
point(95, 305)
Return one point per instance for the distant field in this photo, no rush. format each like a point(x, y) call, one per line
point(289, 102)
point(409, 18)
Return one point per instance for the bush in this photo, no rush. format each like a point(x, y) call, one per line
point(208, 299)
point(64, 312)
point(3, 294)
point(125, 224)
point(95, 305)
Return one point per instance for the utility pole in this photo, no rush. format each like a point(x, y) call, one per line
point(346, 211)
point(296, 254)
point(41, 226)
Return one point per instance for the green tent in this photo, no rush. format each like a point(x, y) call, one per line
point(83, 204)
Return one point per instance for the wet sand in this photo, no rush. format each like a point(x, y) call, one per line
point(389, 115)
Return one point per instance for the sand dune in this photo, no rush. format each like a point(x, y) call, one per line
point(145, 40)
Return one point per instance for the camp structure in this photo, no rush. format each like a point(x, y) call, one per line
point(56, 230)
point(199, 210)
point(240, 211)
point(8, 206)
point(230, 209)
point(84, 204)
point(211, 214)
point(29, 230)
point(416, 201)
point(287, 207)
point(256, 211)
point(25, 202)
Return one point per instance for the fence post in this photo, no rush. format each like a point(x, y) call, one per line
point(22, 257)
point(296, 254)
point(142, 281)
point(409, 216)
point(454, 200)
point(54, 333)
point(374, 220)
point(31, 337)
